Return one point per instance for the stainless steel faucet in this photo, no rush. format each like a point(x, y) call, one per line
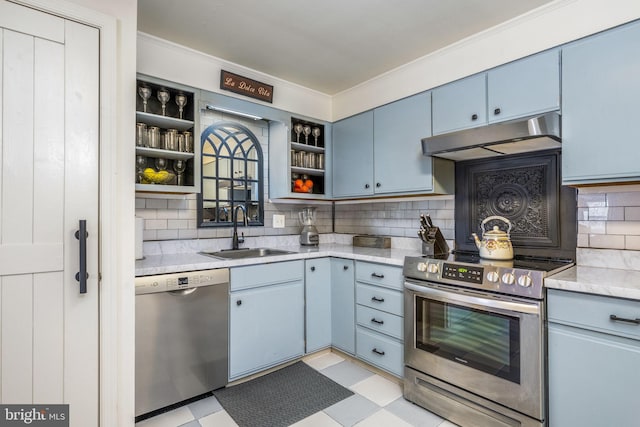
point(235, 242)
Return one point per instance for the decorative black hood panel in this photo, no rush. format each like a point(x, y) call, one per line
point(526, 190)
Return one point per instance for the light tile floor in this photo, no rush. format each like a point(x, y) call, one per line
point(377, 402)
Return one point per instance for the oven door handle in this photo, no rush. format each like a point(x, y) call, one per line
point(453, 296)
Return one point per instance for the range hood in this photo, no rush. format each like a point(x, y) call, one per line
point(512, 137)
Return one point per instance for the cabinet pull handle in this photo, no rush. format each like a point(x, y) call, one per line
point(82, 275)
point(379, 322)
point(378, 185)
point(496, 111)
point(474, 117)
point(366, 186)
point(346, 267)
point(622, 319)
point(376, 351)
point(377, 276)
point(239, 302)
point(313, 268)
point(376, 299)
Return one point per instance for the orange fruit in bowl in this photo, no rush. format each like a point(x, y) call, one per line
point(309, 183)
point(298, 183)
point(304, 189)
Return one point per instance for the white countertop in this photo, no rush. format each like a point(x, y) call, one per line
point(179, 262)
point(597, 280)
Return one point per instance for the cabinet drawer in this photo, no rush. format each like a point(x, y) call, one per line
point(380, 298)
point(379, 350)
point(593, 312)
point(379, 274)
point(266, 274)
point(380, 321)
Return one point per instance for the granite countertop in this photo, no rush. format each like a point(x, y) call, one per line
point(192, 261)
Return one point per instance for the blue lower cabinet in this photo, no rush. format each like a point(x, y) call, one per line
point(318, 304)
point(266, 327)
point(343, 305)
point(380, 350)
point(594, 360)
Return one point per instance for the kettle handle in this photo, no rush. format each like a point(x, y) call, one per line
point(501, 218)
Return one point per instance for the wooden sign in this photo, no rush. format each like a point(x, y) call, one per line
point(245, 86)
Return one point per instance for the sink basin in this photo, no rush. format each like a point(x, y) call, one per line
point(246, 253)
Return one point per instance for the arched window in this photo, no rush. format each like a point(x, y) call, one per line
point(232, 175)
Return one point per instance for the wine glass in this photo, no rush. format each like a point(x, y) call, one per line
point(307, 131)
point(145, 94)
point(181, 100)
point(316, 133)
point(141, 163)
point(161, 164)
point(163, 97)
point(297, 128)
point(180, 166)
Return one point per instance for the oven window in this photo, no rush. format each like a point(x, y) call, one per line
point(479, 339)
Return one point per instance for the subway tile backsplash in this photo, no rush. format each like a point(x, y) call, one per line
point(609, 218)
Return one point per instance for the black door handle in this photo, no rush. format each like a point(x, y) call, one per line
point(379, 322)
point(474, 117)
point(377, 276)
point(376, 299)
point(313, 268)
point(622, 319)
point(376, 351)
point(81, 235)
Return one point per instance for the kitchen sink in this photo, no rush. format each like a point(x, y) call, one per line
point(246, 253)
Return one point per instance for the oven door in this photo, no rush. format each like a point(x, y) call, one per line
point(486, 344)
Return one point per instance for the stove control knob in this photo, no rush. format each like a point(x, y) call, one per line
point(524, 281)
point(422, 266)
point(432, 268)
point(493, 276)
point(508, 278)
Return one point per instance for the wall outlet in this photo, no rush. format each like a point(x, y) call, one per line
point(278, 221)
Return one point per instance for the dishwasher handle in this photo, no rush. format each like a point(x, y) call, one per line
point(182, 292)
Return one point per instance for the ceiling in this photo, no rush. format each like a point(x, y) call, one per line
point(325, 45)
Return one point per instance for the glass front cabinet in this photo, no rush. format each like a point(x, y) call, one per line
point(167, 148)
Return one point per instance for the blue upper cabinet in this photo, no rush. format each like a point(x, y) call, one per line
point(398, 128)
point(369, 149)
point(460, 105)
point(600, 106)
point(521, 88)
point(353, 156)
point(525, 87)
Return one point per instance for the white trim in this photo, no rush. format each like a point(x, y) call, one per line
point(116, 306)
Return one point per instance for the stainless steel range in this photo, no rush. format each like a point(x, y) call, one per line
point(475, 338)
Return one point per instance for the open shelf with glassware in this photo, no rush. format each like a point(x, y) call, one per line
point(307, 150)
point(166, 147)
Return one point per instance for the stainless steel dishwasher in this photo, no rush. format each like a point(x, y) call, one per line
point(181, 337)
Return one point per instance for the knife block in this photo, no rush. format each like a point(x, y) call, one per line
point(436, 245)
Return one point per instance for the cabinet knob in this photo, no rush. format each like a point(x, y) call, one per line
point(239, 302)
point(366, 186)
point(496, 111)
point(313, 268)
point(378, 185)
point(346, 267)
point(474, 117)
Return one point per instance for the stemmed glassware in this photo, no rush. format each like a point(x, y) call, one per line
point(163, 97)
point(316, 133)
point(181, 100)
point(161, 164)
point(145, 94)
point(180, 166)
point(307, 131)
point(141, 163)
point(297, 128)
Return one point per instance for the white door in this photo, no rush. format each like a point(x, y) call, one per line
point(48, 182)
